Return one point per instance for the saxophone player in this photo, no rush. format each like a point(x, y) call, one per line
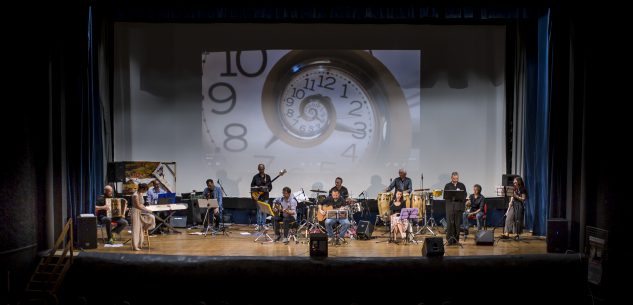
point(285, 209)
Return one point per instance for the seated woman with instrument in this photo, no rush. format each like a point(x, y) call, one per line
point(474, 206)
point(397, 225)
point(142, 218)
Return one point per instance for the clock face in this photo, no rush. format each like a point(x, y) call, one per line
point(315, 113)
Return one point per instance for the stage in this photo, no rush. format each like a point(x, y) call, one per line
point(239, 241)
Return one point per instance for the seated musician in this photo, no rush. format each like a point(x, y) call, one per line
point(474, 206)
point(334, 203)
point(397, 225)
point(285, 209)
point(102, 211)
point(142, 218)
point(338, 185)
point(213, 191)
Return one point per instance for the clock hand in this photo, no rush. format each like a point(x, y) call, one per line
point(271, 141)
point(346, 128)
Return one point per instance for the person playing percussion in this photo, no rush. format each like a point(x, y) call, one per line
point(338, 185)
point(402, 183)
point(335, 202)
point(397, 225)
point(102, 210)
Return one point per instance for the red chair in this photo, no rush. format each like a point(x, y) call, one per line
point(483, 217)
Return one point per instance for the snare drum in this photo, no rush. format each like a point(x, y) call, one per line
point(355, 208)
point(383, 204)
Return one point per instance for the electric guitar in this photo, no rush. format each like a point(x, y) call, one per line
point(255, 194)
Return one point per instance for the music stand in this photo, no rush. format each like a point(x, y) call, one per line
point(409, 214)
point(207, 204)
point(264, 207)
point(454, 204)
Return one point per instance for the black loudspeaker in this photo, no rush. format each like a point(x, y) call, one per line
point(318, 245)
point(364, 230)
point(507, 180)
point(116, 172)
point(485, 237)
point(86, 232)
point(179, 221)
point(433, 246)
point(557, 235)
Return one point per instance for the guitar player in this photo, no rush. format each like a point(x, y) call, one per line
point(334, 203)
point(261, 179)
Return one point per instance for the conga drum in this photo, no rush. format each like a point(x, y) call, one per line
point(383, 205)
point(418, 202)
point(407, 200)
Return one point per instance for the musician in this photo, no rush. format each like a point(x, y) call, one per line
point(285, 209)
point(102, 210)
point(213, 191)
point(395, 206)
point(402, 183)
point(338, 185)
point(335, 202)
point(152, 193)
point(452, 235)
point(262, 179)
point(516, 208)
point(142, 218)
point(474, 206)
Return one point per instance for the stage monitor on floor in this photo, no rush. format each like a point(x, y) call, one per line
point(318, 245)
point(86, 232)
point(433, 247)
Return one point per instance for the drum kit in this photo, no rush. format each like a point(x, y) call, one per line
point(310, 222)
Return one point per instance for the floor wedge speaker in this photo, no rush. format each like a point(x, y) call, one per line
point(365, 229)
point(433, 246)
point(485, 237)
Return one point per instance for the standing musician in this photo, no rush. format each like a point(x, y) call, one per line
point(335, 202)
point(338, 185)
point(214, 192)
point(102, 210)
point(262, 179)
point(516, 209)
point(402, 183)
point(453, 224)
point(285, 208)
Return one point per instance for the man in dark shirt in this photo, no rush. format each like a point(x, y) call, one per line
point(475, 207)
point(102, 214)
point(402, 183)
point(263, 181)
point(338, 185)
point(334, 203)
point(452, 235)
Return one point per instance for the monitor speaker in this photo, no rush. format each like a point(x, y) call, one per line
point(485, 237)
point(179, 221)
point(433, 246)
point(318, 245)
point(364, 230)
point(86, 232)
point(116, 172)
point(556, 235)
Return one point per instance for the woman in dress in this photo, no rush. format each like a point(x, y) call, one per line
point(142, 218)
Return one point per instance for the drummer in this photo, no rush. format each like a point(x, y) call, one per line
point(402, 183)
point(338, 185)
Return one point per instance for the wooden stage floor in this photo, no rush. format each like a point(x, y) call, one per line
point(240, 242)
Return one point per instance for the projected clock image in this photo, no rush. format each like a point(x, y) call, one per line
point(312, 111)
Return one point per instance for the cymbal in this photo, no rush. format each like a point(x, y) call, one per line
point(318, 191)
point(421, 190)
